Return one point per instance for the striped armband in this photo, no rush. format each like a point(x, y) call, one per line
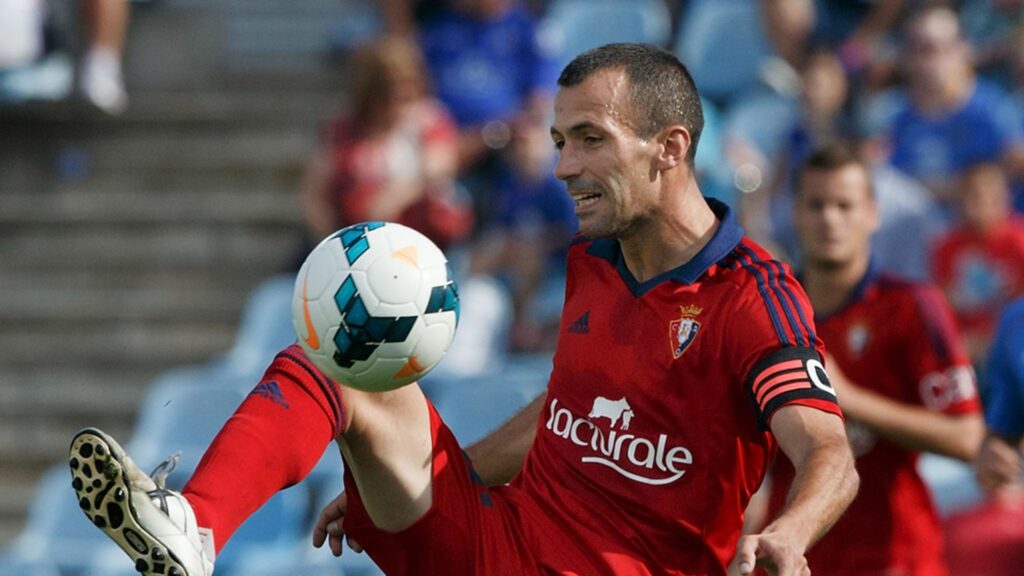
point(789, 375)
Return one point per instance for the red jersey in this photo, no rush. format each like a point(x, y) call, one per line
point(981, 273)
point(654, 432)
point(898, 339)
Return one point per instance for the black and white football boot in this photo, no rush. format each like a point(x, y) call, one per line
point(155, 526)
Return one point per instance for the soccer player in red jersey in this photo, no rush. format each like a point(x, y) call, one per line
point(899, 368)
point(686, 358)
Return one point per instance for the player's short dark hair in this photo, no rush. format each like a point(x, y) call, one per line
point(833, 156)
point(661, 91)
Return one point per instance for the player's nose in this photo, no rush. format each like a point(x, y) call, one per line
point(568, 164)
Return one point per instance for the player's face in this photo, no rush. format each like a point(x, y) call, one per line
point(835, 215)
point(607, 168)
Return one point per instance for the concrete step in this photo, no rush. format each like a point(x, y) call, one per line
point(202, 281)
point(224, 248)
point(144, 345)
point(41, 442)
point(66, 306)
point(104, 206)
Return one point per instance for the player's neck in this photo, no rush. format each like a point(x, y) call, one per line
point(671, 238)
point(829, 287)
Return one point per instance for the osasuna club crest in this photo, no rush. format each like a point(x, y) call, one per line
point(683, 330)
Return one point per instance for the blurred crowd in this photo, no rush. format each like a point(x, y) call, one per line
point(444, 126)
point(42, 59)
point(448, 113)
point(445, 113)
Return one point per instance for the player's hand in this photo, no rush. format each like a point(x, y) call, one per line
point(771, 551)
point(998, 464)
point(328, 527)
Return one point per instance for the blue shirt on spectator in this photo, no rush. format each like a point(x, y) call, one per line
point(1004, 388)
point(527, 207)
point(932, 147)
point(483, 70)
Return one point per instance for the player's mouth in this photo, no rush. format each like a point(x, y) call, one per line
point(584, 200)
point(585, 193)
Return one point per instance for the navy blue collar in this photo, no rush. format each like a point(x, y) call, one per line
point(856, 295)
point(726, 238)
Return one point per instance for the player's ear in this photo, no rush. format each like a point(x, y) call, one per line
point(675, 144)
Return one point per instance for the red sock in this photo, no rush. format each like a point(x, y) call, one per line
point(271, 442)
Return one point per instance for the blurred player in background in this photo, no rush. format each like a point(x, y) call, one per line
point(900, 371)
point(686, 358)
point(999, 462)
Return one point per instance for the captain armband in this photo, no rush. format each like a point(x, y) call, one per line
point(788, 375)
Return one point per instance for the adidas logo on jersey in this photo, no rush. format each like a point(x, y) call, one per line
point(581, 325)
point(271, 391)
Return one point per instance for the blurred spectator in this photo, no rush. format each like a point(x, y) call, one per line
point(100, 78)
point(911, 219)
point(34, 66)
point(1015, 70)
point(391, 157)
point(767, 212)
point(21, 27)
point(952, 119)
point(999, 462)
point(858, 30)
point(980, 263)
point(989, 540)
point(899, 371)
point(527, 234)
point(487, 66)
point(991, 26)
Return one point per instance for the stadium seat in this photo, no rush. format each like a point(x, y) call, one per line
point(761, 118)
point(265, 328)
point(183, 413)
point(951, 483)
point(723, 44)
point(573, 26)
point(57, 538)
point(474, 406)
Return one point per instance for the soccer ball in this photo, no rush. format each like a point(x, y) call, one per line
point(375, 306)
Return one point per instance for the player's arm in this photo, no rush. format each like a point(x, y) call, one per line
point(911, 426)
point(825, 484)
point(499, 456)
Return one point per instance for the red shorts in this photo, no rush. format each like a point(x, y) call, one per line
point(469, 530)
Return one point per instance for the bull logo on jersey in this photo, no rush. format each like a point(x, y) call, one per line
point(612, 410)
point(646, 459)
point(683, 330)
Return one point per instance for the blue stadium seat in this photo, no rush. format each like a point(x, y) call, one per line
point(723, 44)
point(762, 119)
point(951, 482)
point(57, 537)
point(573, 26)
point(182, 413)
point(265, 328)
point(273, 537)
point(474, 406)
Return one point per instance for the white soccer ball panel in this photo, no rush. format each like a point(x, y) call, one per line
point(395, 278)
point(434, 342)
